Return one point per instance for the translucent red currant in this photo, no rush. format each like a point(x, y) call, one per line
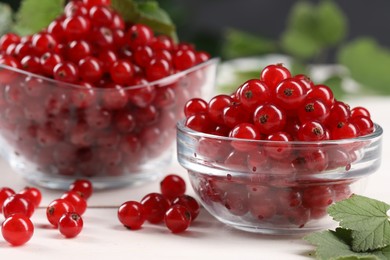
point(17, 229)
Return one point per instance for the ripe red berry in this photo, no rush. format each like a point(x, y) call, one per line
point(269, 118)
point(172, 186)
point(33, 195)
point(5, 192)
point(66, 72)
point(253, 93)
point(195, 106)
point(17, 229)
point(131, 214)
point(155, 205)
point(272, 75)
point(190, 203)
point(56, 209)
point(82, 186)
point(18, 203)
point(76, 199)
point(177, 218)
point(70, 224)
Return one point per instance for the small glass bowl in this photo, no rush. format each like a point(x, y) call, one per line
point(275, 187)
point(53, 132)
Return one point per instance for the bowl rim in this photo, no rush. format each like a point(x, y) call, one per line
point(162, 82)
point(378, 132)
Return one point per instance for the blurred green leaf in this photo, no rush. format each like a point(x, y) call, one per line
point(335, 83)
point(146, 12)
point(151, 14)
point(299, 44)
point(368, 64)
point(5, 18)
point(332, 24)
point(313, 28)
point(33, 15)
point(239, 44)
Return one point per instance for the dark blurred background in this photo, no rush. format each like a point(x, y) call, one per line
point(205, 21)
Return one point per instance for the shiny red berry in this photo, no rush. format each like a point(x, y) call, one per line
point(177, 218)
point(17, 229)
point(172, 186)
point(70, 224)
point(131, 214)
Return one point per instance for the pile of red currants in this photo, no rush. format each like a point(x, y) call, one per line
point(63, 213)
point(285, 144)
point(172, 206)
point(85, 104)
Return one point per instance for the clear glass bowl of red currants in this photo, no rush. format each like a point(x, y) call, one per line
point(272, 156)
point(53, 132)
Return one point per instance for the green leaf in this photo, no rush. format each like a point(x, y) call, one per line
point(239, 44)
point(128, 9)
point(368, 64)
point(146, 12)
point(313, 28)
point(5, 18)
point(332, 23)
point(335, 83)
point(299, 44)
point(333, 245)
point(34, 15)
point(151, 14)
point(368, 220)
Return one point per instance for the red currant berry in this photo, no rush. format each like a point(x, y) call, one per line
point(245, 131)
point(200, 122)
point(43, 42)
point(216, 106)
point(363, 124)
point(343, 130)
point(90, 69)
point(18, 203)
point(253, 93)
point(317, 197)
point(323, 93)
point(66, 72)
point(360, 111)
point(172, 186)
point(313, 109)
point(155, 205)
point(272, 75)
point(75, 198)
point(5, 192)
point(75, 27)
point(33, 195)
point(131, 214)
point(70, 224)
point(48, 61)
point(100, 16)
point(280, 148)
point(311, 131)
point(157, 69)
point(8, 39)
point(56, 209)
point(184, 59)
point(139, 35)
point(77, 50)
point(83, 186)
point(289, 94)
point(195, 106)
point(235, 114)
point(122, 72)
point(17, 229)
point(190, 203)
point(305, 81)
point(177, 218)
point(269, 118)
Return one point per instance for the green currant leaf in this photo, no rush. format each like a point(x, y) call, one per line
point(5, 18)
point(151, 14)
point(128, 9)
point(33, 15)
point(368, 64)
point(300, 44)
point(333, 245)
point(368, 220)
point(239, 44)
point(148, 13)
point(332, 24)
point(335, 83)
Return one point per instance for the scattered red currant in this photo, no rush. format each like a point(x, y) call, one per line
point(70, 224)
point(17, 229)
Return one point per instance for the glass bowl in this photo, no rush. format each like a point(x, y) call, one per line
point(275, 187)
point(53, 132)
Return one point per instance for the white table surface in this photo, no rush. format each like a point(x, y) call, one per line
point(104, 237)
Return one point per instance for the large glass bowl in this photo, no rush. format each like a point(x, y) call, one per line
point(53, 133)
point(275, 187)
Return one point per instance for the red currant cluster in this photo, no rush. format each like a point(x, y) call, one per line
point(275, 125)
point(89, 129)
point(172, 206)
point(279, 107)
point(64, 213)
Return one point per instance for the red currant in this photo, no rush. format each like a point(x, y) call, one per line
point(190, 203)
point(82, 186)
point(272, 75)
point(17, 229)
point(56, 209)
point(155, 205)
point(33, 195)
point(172, 186)
point(177, 218)
point(18, 203)
point(70, 224)
point(131, 214)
